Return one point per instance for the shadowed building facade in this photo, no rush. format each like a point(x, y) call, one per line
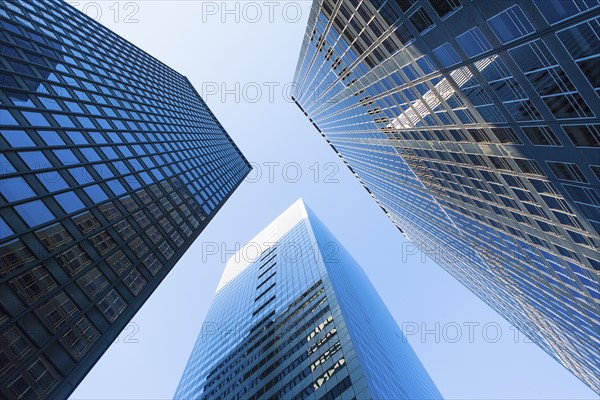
point(111, 166)
point(474, 125)
point(295, 317)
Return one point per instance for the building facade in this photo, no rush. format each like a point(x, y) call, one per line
point(295, 317)
point(111, 166)
point(474, 125)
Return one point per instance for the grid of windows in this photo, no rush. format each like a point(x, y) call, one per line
point(480, 141)
point(99, 142)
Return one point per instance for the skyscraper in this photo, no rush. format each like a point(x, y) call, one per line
point(474, 125)
point(111, 166)
point(295, 317)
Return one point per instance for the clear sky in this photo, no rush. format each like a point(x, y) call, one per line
point(240, 56)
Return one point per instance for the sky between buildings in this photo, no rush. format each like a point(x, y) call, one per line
point(241, 57)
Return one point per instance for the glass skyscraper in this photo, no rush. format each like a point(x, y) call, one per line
point(295, 317)
point(474, 125)
point(111, 166)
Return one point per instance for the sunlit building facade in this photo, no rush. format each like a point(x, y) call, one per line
point(295, 317)
point(474, 125)
point(111, 166)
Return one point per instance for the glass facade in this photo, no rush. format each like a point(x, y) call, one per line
point(474, 125)
point(111, 166)
point(295, 317)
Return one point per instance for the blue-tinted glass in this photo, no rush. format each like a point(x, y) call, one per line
point(34, 213)
point(159, 176)
point(146, 178)
point(109, 152)
point(18, 138)
point(73, 106)
point(103, 171)
point(51, 138)
point(510, 24)
point(133, 182)
point(52, 181)
point(81, 175)
point(63, 121)
point(116, 187)
point(50, 104)
point(35, 160)
point(97, 137)
point(90, 154)
point(20, 100)
point(473, 42)
point(14, 189)
point(6, 118)
point(69, 202)
point(77, 137)
point(86, 122)
point(5, 230)
point(96, 193)
point(67, 157)
point(5, 166)
point(35, 118)
point(114, 137)
point(557, 10)
point(447, 55)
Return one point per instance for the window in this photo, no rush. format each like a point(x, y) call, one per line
point(124, 229)
point(568, 106)
point(69, 202)
point(14, 189)
point(166, 250)
point(17, 138)
point(558, 10)
point(141, 218)
point(33, 284)
point(177, 239)
point(129, 203)
point(444, 7)
point(14, 346)
point(405, 4)
point(506, 135)
point(134, 281)
point(52, 181)
point(166, 224)
point(138, 246)
point(473, 42)
point(567, 171)
point(110, 211)
point(40, 375)
point(54, 236)
point(73, 260)
point(583, 135)
point(93, 282)
point(541, 136)
point(112, 305)
point(446, 55)
point(421, 20)
point(34, 213)
point(96, 193)
point(78, 339)
point(152, 264)
point(86, 222)
point(154, 235)
point(528, 166)
point(13, 255)
point(404, 35)
point(57, 311)
point(118, 262)
point(510, 24)
point(102, 242)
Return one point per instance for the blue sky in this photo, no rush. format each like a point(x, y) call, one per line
point(240, 58)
